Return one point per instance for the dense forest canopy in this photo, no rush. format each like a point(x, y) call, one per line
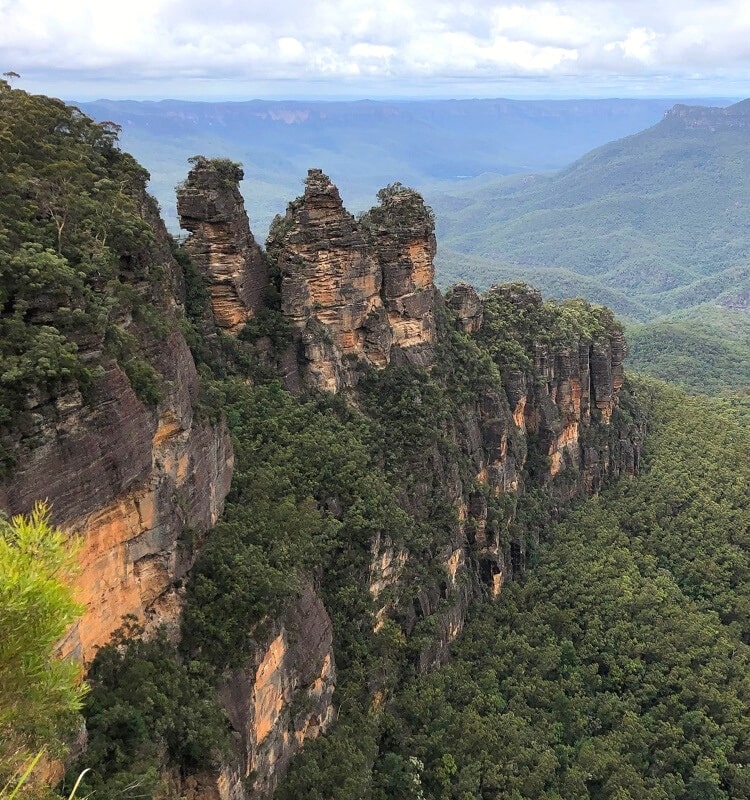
point(617, 668)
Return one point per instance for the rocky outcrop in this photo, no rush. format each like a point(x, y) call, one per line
point(401, 231)
point(282, 698)
point(711, 119)
point(355, 292)
point(466, 304)
point(551, 423)
point(331, 287)
point(129, 479)
point(220, 243)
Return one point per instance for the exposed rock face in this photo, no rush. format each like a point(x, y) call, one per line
point(355, 291)
point(402, 235)
point(467, 305)
point(221, 245)
point(282, 698)
point(560, 412)
point(126, 477)
point(331, 287)
point(713, 119)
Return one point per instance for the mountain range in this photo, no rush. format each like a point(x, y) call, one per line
point(365, 145)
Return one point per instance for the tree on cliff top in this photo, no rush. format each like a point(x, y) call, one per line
point(40, 694)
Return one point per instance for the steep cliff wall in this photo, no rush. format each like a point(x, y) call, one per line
point(549, 422)
point(128, 475)
point(404, 502)
point(283, 696)
point(524, 399)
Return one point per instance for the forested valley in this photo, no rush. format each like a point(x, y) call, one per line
point(444, 549)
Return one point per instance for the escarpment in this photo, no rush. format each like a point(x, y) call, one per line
point(359, 528)
point(283, 696)
point(127, 463)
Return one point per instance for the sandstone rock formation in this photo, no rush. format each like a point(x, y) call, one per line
point(560, 414)
point(402, 235)
point(221, 245)
point(282, 698)
point(467, 305)
point(127, 478)
point(355, 292)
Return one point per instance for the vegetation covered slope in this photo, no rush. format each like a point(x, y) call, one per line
point(72, 245)
point(618, 667)
point(654, 222)
point(315, 481)
point(705, 350)
point(641, 648)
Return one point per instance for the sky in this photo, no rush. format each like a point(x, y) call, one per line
point(243, 49)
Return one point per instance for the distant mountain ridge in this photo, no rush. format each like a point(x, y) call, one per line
point(661, 218)
point(734, 116)
point(365, 145)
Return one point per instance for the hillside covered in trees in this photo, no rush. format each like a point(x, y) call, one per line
point(371, 541)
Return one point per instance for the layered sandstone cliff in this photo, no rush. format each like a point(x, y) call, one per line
point(220, 243)
point(355, 292)
point(128, 477)
point(283, 696)
point(551, 423)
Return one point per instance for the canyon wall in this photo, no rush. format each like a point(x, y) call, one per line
point(129, 478)
point(141, 478)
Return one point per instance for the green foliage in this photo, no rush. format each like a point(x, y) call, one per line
point(705, 354)
point(144, 379)
point(229, 171)
point(652, 223)
point(72, 240)
point(41, 693)
point(146, 702)
point(305, 492)
point(516, 321)
point(617, 669)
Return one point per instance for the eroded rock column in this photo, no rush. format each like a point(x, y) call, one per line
point(331, 286)
point(221, 244)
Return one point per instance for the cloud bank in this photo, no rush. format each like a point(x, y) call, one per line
point(378, 42)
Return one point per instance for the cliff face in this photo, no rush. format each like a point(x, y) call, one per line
point(355, 292)
point(359, 295)
point(128, 477)
point(552, 423)
point(402, 236)
point(221, 245)
point(135, 463)
point(712, 119)
point(283, 696)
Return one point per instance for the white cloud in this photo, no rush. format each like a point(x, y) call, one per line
point(640, 44)
point(399, 40)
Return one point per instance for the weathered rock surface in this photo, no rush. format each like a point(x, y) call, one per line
point(561, 412)
point(402, 236)
point(282, 697)
point(125, 477)
point(331, 287)
point(355, 292)
point(467, 306)
point(221, 245)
